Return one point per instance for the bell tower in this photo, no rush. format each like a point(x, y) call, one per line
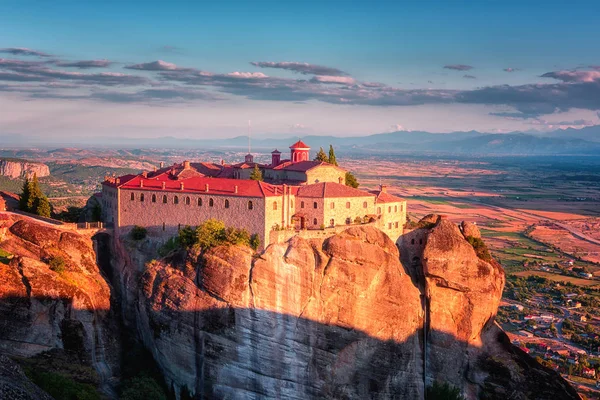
point(299, 151)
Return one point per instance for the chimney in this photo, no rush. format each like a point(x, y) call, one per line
point(162, 164)
point(206, 187)
point(118, 181)
point(383, 188)
point(144, 174)
point(181, 186)
point(275, 158)
point(155, 168)
point(235, 189)
point(163, 185)
point(141, 183)
point(275, 189)
point(186, 164)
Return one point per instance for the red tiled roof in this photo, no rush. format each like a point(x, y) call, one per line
point(275, 152)
point(299, 145)
point(384, 197)
point(330, 189)
point(197, 184)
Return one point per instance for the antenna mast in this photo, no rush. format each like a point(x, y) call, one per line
point(249, 131)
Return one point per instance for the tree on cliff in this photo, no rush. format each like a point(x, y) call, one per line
point(33, 199)
point(256, 174)
point(321, 156)
point(351, 180)
point(332, 159)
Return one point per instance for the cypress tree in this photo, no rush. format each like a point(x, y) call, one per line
point(35, 193)
point(256, 174)
point(332, 159)
point(25, 195)
point(321, 156)
point(43, 208)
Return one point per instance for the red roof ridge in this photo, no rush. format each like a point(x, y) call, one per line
point(299, 145)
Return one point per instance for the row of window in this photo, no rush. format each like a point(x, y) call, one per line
point(187, 201)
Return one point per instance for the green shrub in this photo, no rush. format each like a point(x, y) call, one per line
point(443, 391)
point(170, 245)
point(142, 387)
point(57, 264)
point(254, 242)
point(138, 233)
point(480, 248)
point(61, 387)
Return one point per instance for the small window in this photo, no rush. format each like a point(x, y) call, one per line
point(396, 225)
point(348, 221)
point(315, 221)
point(420, 241)
point(250, 205)
point(199, 201)
point(163, 226)
point(395, 208)
point(378, 210)
point(176, 200)
point(154, 198)
point(332, 222)
point(301, 204)
point(412, 241)
point(401, 207)
point(332, 205)
point(390, 225)
point(132, 196)
point(365, 205)
point(211, 202)
point(347, 204)
point(226, 203)
point(390, 209)
point(188, 201)
point(142, 197)
point(165, 199)
point(315, 204)
point(274, 205)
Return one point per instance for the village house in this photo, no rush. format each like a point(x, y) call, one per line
point(297, 194)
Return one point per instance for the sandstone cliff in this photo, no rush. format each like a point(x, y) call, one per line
point(335, 318)
point(52, 295)
point(19, 169)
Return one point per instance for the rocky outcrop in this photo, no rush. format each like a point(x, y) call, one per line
point(338, 318)
point(20, 168)
point(52, 295)
point(15, 385)
point(469, 229)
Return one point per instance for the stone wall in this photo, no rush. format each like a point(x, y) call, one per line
point(326, 173)
point(167, 217)
point(392, 218)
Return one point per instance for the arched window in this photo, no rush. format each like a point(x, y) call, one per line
point(188, 201)
point(154, 198)
point(347, 204)
point(378, 210)
point(301, 204)
point(332, 222)
point(274, 205)
point(332, 205)
point(315, 204)
point(395, 208)
point(250, 205)
point(420, 241)
point(165, 199)
point(396, 225)
point(401, 207)
point(412, 241)
point(389, 225)
point(176, 200)
point(199, 201)
point(348, 221)
point(163, 226)
point(132, 196)
point(142, 197)
point(365, 205)
point(390, 209)
point(226, 203)
point(211, 202)
point(315, 221)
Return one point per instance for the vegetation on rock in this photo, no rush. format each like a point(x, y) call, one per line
point(443, 391)
point(33, 200)
point(57, 264)
point(480, 248)
point(138, 233)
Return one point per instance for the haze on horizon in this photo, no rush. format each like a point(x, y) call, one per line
point(203, 69)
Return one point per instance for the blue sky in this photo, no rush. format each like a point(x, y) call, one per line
point(436, 66)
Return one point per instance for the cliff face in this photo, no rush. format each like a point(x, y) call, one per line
point(306, 319)
point(339, 318)
point(52, 295)
point(20, 169)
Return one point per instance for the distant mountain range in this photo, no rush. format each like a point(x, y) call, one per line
point(584, 141)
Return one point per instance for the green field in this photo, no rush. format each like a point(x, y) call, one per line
point(561, 278)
